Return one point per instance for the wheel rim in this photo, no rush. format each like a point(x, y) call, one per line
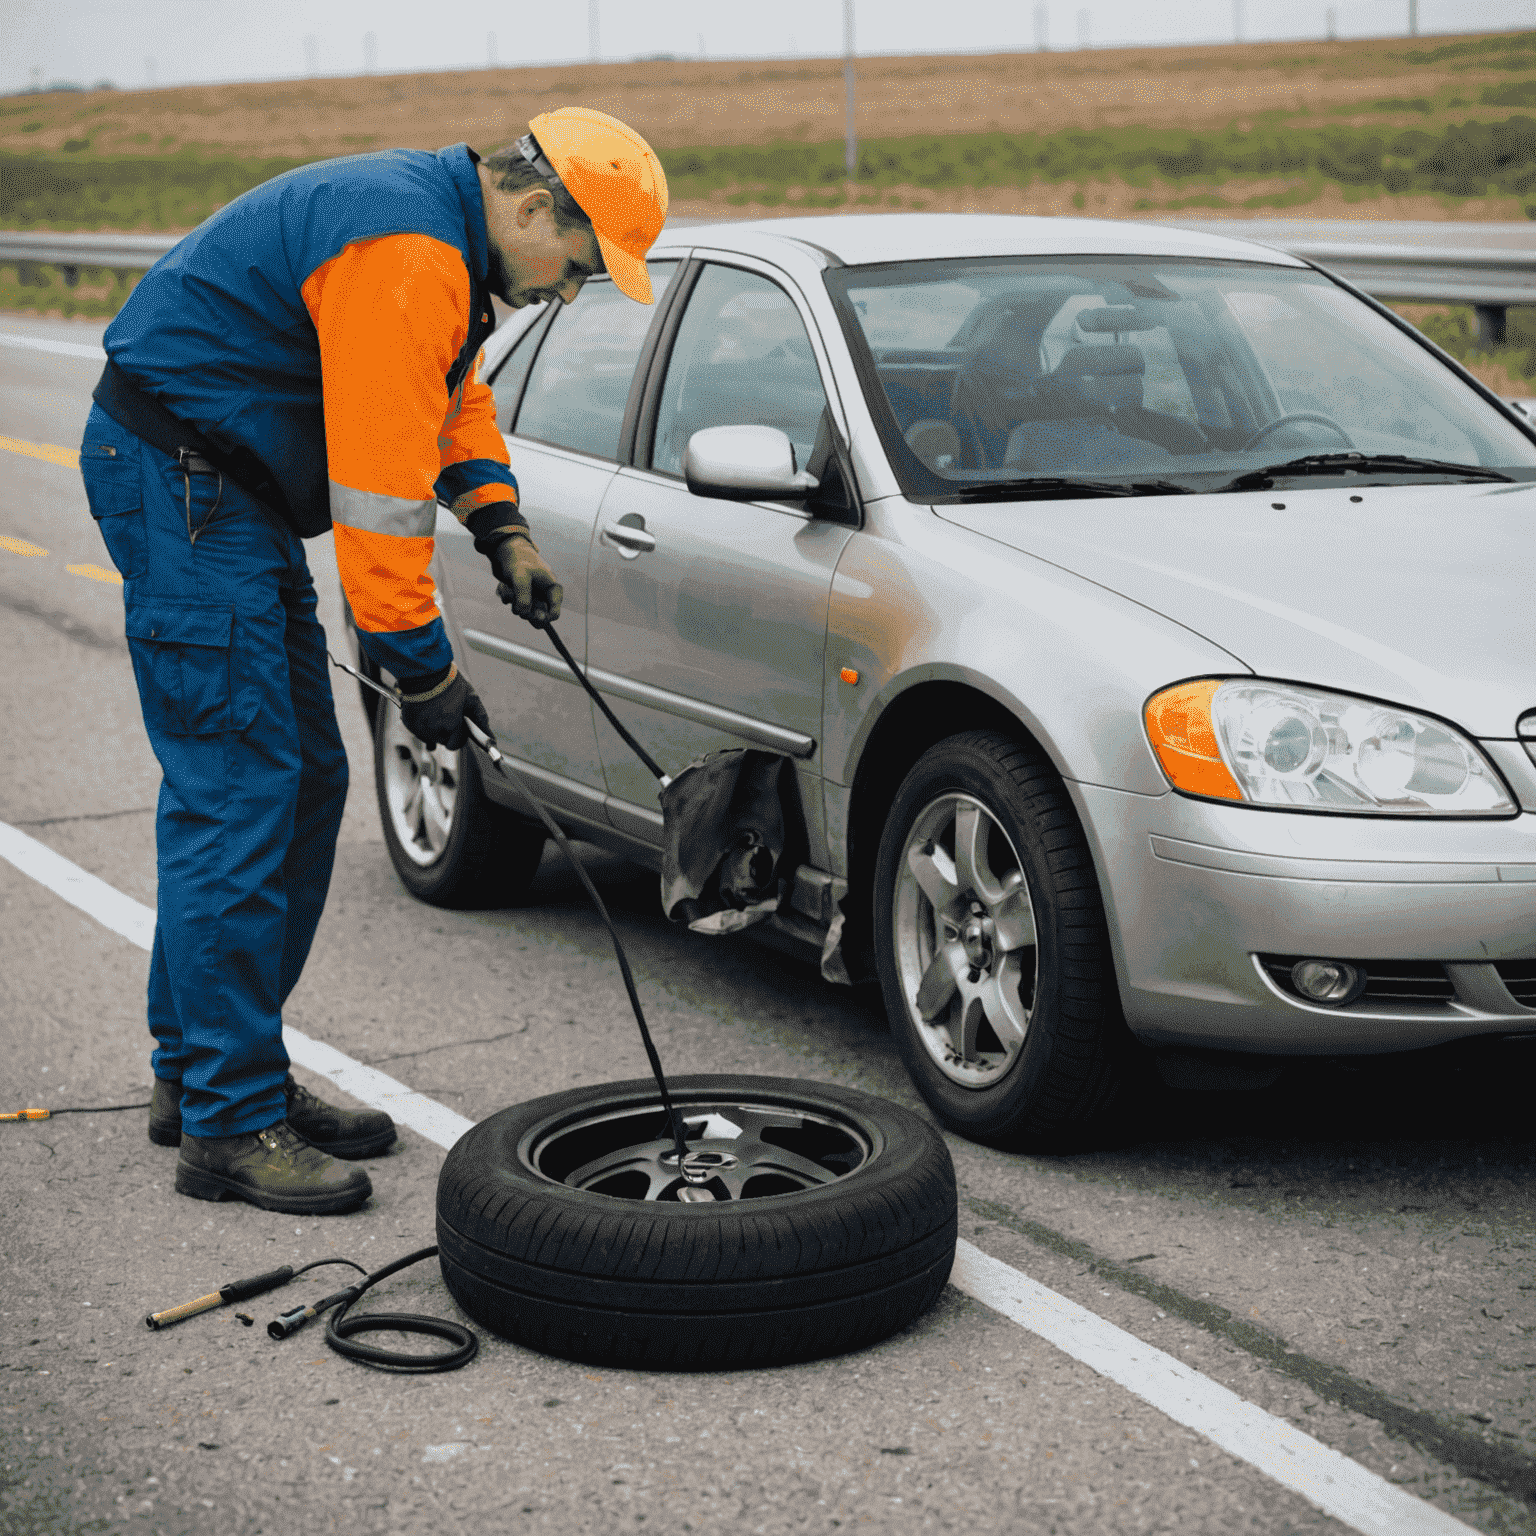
point(736, 1151)
point(421, 789)
point(964, 929)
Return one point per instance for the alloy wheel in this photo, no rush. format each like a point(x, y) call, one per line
point(421, 788)
point(736, 1151)
point(964, 929)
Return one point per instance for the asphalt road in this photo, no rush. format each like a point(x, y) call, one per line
point(1374, 1218)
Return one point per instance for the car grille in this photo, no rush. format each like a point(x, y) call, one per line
point(1393, 983)
point(1520, 977)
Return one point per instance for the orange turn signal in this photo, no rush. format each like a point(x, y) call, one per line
point(848, 675)
point(1183, 735)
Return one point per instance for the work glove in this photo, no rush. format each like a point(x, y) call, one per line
point(523, 581)
point(435, 711)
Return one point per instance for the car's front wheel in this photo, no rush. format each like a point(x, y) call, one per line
point(451, 845)
point(992, 945)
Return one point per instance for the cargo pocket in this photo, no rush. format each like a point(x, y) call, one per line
point(181, 658)
point(117, 503)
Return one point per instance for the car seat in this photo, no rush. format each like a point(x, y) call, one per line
point(1084, 416)
point(994, 382)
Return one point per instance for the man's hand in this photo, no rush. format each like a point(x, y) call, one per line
point(435, 712)
point(524, 581)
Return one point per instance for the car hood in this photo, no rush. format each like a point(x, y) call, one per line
point(1424, 596)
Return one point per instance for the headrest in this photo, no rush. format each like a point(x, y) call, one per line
point(1100, 362)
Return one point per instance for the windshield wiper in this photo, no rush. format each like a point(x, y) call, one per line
point(1029, 488)
point(1359, 463)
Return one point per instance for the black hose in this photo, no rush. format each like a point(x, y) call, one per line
point(674, 1122)
point(95, 1109)
point(597, 698)
point(341, 1329)
point(488, 744)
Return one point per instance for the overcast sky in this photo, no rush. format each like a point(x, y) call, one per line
point(172, 42)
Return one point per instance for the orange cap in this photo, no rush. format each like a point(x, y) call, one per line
point(618, 183)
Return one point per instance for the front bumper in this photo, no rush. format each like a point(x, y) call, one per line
point(1195, 891)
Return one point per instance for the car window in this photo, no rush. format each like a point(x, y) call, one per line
point(507, 381)
point(580, 381)
point(1388, 410)
point(741, 358)
point(1152, 368)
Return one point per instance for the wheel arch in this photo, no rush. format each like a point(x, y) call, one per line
point(919, 717)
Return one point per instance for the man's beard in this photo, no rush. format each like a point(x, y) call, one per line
point(497, 278)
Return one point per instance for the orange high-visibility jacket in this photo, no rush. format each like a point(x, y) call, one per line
point(329, 323)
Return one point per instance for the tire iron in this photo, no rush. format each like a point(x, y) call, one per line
point(236, 1290)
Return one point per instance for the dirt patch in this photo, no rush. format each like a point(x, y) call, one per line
point(747, 102)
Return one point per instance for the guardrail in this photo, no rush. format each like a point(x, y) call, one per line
point(1489, 280)
point(88, 250)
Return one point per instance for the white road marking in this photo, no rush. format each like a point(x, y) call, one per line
point(122, 914)
point(1340, 1487)
point(136, 923)
point(61, 348)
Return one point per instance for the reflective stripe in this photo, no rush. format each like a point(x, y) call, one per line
point(383, 514)
point(483, 496)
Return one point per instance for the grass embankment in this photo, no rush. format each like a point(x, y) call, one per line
point(1167, 169)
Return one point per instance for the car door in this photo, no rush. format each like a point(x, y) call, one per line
point(564, 388)
point(707, 619)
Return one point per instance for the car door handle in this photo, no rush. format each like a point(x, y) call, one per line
point(631, 537)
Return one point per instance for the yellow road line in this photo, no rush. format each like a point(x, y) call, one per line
point(20, 546)
point(50, 453)
point(96, 573)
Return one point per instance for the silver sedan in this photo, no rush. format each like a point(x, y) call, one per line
point(1148, 617)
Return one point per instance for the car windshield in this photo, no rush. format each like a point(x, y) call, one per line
point(1162, 374)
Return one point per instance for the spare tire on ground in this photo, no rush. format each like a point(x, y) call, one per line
point(828, 1222)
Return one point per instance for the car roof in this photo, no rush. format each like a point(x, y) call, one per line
point(857, 240)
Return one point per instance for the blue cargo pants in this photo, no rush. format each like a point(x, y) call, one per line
point(230, 663)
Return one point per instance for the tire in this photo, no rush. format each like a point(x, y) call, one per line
point(650, 1282)
point(452, 847)
point(993, 950)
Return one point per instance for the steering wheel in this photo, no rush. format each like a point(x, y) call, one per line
point(1290, 416)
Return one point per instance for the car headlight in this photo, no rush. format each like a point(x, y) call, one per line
point(1282, 744)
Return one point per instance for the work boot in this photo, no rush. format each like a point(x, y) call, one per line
point(350, 1133)
point(275, 1169)
point(165, 1114)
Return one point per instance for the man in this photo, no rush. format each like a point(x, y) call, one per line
point(307, 359)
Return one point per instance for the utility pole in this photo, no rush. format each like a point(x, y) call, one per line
point(1042, 29)
point(1413, 18)
point(1085, 28)
point(1237, 19)
point(851, 134)
point(149, 72)
point(370, 52)
point(1333, 23)
point(594, 46)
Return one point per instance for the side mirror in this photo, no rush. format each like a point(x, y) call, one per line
point(745, 464)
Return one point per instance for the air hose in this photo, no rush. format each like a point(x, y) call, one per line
point(341, 1330)
point(487, 743)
